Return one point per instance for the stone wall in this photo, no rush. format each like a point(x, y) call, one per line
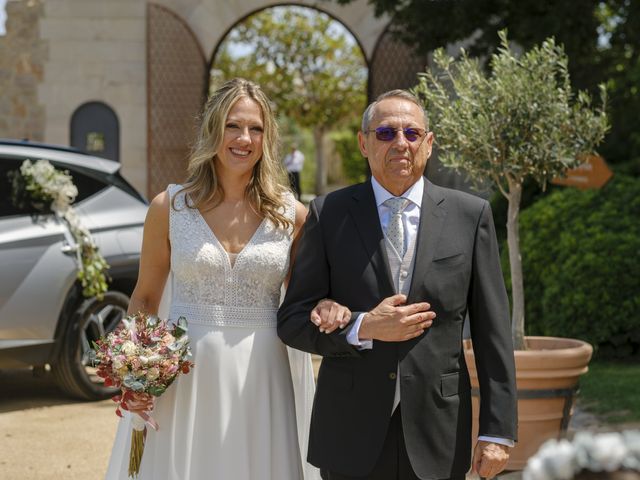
point(22, 58)
point(97, 52)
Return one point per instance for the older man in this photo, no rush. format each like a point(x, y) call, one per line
point(410, 260)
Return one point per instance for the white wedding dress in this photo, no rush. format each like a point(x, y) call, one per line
point(243, 412)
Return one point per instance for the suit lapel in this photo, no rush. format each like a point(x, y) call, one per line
point(364, 211)
point(432, 218)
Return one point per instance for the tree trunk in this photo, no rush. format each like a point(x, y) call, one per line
point(321, 165)
point(515, 262)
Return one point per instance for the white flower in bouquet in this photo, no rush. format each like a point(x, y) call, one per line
point(128, 348)
point(153, 373)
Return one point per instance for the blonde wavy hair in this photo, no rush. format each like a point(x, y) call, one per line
point(267, 186)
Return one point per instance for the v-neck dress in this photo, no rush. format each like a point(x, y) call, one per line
point(234, 415)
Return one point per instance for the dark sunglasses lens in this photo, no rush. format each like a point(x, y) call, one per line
point(411, 134)
point(385, 134)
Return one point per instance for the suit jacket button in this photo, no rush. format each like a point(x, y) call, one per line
point(392, 376)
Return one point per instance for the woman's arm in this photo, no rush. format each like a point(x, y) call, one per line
point(154, 258)
point(327, 314)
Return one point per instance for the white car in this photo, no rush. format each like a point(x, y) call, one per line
point(44, 319)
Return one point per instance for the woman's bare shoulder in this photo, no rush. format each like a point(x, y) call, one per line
point(301, 215)
point(158, 212)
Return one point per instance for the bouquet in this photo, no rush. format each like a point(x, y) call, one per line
point(143, 356)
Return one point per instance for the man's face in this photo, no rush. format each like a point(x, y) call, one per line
point(396, 164)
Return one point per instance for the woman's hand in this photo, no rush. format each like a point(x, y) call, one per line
point(329, 315)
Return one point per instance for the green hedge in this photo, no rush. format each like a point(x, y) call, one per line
point(354, 165)
point(581, 263)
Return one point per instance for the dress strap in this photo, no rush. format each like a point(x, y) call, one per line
point(180, 216)
point(290, 206)
point(175, 190)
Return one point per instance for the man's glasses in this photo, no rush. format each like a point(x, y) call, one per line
point(386, 134)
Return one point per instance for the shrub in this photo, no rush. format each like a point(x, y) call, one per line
point(354, 166)
point(581, 258)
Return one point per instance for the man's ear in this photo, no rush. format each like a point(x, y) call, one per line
point(362, 145)
point(429, 140)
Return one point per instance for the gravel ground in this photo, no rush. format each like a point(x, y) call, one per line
point(44, 435)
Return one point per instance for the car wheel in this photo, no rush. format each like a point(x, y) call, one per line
point(73, 369)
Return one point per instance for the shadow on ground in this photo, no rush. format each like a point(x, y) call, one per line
point(22, 389)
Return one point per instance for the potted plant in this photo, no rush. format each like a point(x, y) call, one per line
point(520, 120)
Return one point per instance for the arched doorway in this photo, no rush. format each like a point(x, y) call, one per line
point(95, 129)
point(314, 71)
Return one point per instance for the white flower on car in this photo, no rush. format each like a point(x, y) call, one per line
point(50, 188)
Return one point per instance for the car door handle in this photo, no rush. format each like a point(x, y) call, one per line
point(69, 246)
point(69, 249)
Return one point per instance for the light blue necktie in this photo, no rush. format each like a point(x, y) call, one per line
point(395, 228)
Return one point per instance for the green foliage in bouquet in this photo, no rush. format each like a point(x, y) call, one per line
point(42, 187)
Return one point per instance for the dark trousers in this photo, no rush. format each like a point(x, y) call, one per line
point(393, 463)
point(294, 180)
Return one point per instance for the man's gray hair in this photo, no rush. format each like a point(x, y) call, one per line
point(398, 93)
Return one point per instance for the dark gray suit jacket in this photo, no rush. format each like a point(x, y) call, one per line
point(457, 270)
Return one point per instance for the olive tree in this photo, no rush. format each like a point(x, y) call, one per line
point(521, 120)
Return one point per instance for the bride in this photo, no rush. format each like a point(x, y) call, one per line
point(226, 237)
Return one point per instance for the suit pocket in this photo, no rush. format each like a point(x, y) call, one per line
point(335, 375)
point(450, 260)
point(449, 384)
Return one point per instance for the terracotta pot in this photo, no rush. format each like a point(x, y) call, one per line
point(547, 376)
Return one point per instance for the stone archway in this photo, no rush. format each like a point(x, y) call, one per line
point(181, 34)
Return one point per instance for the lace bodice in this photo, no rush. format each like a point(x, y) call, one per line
point(203, 275)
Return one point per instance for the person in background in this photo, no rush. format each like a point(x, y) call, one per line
point(293, 163)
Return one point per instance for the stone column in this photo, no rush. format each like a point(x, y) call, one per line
point(22, 56)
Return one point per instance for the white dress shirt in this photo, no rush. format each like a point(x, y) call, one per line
point(293, 161)
point(410, 221)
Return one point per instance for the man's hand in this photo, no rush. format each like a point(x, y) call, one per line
point(329, 315)
point(489, 459)
point(393, 321)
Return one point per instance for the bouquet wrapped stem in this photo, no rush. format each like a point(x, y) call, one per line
point(138, 437)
